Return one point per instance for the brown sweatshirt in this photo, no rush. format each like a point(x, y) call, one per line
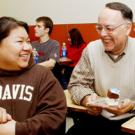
point(34, 98)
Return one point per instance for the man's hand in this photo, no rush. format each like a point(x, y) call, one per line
point(92, 107)
point(4, 116)
point(125, 106)
point(95, 104)
point(49, 63)
point(94, 110)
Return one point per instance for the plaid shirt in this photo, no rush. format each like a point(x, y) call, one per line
point(81, 81)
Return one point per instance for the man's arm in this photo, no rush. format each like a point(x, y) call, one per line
point(53, 57)
point(82, 79)
point(49, 63)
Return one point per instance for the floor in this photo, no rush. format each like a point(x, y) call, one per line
point(69, 123)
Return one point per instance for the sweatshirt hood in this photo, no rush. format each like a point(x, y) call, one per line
point(17, 72)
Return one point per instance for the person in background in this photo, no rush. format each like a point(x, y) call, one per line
point(105, 63)
point(74, 50)
point(47, 48)
point(31, 100)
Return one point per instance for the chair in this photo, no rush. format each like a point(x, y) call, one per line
point(57, 71)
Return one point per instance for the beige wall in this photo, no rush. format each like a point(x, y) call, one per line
point(61, 11)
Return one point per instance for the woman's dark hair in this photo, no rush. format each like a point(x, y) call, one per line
point(47, 21)
point(124, 9)
point(7, 24)
point(76, 38)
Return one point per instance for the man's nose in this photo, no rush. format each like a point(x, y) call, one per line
point(103, 32)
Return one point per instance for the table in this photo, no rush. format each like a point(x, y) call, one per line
point(65, 61)
point(71, 105)
point(129, 126)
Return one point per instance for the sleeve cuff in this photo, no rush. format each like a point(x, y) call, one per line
point(21, 128)
point(79, 94)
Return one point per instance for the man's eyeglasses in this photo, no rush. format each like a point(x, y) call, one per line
point(108, 29)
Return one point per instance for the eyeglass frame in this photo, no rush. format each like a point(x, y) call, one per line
point(107, 29)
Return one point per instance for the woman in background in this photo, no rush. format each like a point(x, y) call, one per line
point(74, 50)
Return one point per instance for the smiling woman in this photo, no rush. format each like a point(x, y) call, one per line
point(31, 100)
point(15, 47)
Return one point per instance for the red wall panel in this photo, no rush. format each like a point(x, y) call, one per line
point(60, 32)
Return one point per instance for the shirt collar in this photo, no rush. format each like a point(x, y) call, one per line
point(116, 59)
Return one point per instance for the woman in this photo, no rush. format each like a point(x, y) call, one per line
point(74, 50)
point(31, 100)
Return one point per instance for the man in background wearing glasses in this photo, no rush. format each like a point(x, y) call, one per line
point(107, 63)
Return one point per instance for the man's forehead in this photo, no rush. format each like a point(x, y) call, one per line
point(110, 12)
point(110, 15)
point(40, 23)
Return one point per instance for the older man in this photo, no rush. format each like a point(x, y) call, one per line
point(106, 63)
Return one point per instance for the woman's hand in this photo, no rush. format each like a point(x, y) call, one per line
point(8, 128)
point(4, 116)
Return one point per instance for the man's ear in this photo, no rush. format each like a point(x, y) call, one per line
point(129, 27)
point(47, 30)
